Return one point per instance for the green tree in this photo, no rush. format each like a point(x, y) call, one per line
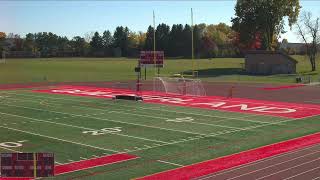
point(121, 39)
point(148, 45)
point(96, 42)
point(265, 17)
point(107, 40)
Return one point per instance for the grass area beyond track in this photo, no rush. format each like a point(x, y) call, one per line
point(78, 128)
point(117, 69)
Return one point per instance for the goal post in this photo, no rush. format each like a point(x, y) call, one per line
point(3, 57)
point(179, 86)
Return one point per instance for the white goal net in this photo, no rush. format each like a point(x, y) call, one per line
point(180, 86)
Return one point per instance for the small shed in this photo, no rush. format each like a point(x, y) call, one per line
point(269, 62)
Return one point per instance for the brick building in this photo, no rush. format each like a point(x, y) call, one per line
point(269, 62)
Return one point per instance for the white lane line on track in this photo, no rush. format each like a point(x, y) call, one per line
point(288, 169)
point(155, 109)
point(301, 173)
point(258, 162)
point(166, 162)
point(244, 174)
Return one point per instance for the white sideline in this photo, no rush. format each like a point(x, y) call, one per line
point(79, 127)
point(261, 169)
point(58, 139)
point(155, 109)
point(166, 162)
point(258, 162)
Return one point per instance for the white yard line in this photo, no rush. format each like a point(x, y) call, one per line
point(59, 139)
point(141, 115)
point(105, 119)
point(302, 173)
point(155, 109)
point(166, 162)
point(259, 161)
point(81, 127)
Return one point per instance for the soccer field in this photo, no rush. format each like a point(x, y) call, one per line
point(156, 137)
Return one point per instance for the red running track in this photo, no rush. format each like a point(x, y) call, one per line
point(226, 162)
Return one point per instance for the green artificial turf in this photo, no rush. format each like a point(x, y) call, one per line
point(57, 123)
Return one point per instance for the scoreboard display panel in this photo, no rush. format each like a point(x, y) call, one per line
point(22, 164)
point(151, 59)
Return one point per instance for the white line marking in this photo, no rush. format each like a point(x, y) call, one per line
point(203, 135)
point(288, 169)
point(316, 178)
point(95, 156)
point(155, 109)
point(301, 173)
point(258, 162)
point(105, 119)
point(70, 160)
point(166, 162)
point(98, 166)
point(80, 127)
point(83, 158)
point(10, 149)
point(261, 169)
point(58, 139)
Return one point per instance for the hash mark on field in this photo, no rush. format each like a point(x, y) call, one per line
point(166, 162)
point(70, 160)
point(95, 156)
point(83, 158)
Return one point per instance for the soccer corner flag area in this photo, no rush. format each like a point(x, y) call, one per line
point(163, 137)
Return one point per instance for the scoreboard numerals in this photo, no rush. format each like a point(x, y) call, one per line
point(103, 131)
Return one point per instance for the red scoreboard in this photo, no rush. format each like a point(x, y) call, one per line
point(151, 59)
point(22, 164)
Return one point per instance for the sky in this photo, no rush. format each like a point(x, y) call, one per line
point(76, 18)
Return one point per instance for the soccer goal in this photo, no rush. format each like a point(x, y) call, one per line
point(179, 86)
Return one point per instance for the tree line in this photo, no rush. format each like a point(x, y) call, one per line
point(175, 41)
